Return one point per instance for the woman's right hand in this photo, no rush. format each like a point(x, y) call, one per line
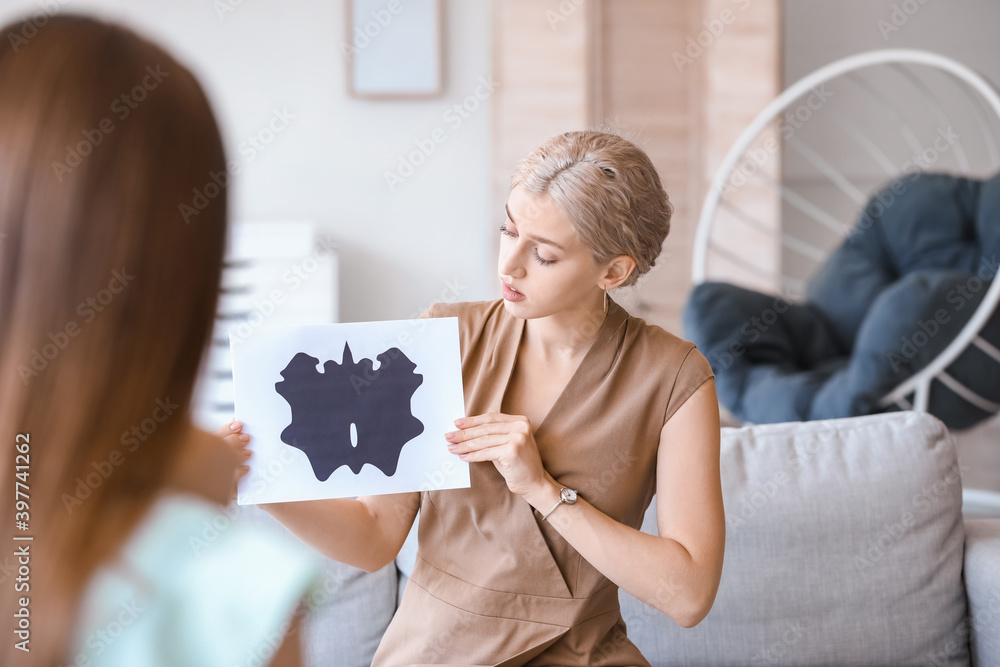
point(233, 435)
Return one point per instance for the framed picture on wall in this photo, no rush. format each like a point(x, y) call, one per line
point(393, 48)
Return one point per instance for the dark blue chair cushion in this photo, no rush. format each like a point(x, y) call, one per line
point(886, 303)
point(909, 324)
point(918, 221)
point(769, 356)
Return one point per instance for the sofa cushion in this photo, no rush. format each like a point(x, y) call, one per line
point(844, 545)
point(346, 624)
point(982, 583)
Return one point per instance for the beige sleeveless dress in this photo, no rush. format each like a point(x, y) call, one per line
point(493, 583)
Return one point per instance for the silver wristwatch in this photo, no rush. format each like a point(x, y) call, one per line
point(567, 496)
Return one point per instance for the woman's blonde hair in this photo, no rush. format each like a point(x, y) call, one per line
point(608, 188)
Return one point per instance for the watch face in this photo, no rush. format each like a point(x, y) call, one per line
point(568, 496)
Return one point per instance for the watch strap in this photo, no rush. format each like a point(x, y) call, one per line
point(562, 499)
point(554, 507)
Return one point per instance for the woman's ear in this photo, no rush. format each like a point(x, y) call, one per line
point(618, 271)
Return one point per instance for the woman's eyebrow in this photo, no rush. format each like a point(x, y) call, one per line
point(533, 237)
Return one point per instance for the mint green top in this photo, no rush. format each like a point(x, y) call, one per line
point(193, 586)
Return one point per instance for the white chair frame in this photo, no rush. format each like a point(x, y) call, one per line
point(919, 385)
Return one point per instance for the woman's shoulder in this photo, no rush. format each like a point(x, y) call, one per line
point(678, 352)
point(685, 368)
point(188, 563)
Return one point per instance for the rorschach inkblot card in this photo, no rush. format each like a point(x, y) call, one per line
point(352, 409)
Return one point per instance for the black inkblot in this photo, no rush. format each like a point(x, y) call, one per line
point(325, 405)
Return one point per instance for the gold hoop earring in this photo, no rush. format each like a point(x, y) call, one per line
point(605, 300)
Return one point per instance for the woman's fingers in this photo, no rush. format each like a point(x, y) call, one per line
point(506, 440)
point(233, 427)
point(492, 453)
point(486, 417)
point(481, 442)
point(232, 433)
point(240, 472)
point(471, 432)
point(489, 423)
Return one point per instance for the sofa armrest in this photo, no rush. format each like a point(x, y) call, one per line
point(982, 585)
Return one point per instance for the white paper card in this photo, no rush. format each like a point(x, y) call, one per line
point(351, 409)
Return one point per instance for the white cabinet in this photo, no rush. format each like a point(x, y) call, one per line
point(275, 274)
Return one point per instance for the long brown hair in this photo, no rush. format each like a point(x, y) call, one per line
point(111, 245)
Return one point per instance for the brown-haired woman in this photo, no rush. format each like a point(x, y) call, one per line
point(107, 300)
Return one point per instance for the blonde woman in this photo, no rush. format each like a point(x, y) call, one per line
point(576, 414)
point(107, 300)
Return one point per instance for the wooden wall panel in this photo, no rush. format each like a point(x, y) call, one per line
point(647, 97)
point(615, 63)
point(542, 63)
point(742, 75)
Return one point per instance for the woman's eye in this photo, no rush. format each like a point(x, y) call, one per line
point(542, 260)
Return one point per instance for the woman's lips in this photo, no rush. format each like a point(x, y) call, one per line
point(509, 293)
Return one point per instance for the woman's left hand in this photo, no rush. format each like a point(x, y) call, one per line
point(232, 433)
point(506, 440)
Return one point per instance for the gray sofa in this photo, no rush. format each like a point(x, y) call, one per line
point(845, 545)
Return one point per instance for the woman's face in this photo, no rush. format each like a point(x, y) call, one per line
point(543, 261)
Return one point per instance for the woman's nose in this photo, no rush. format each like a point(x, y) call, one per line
point(510, 264)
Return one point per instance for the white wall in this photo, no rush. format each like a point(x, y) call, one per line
point(817, 32)
point(399, 250)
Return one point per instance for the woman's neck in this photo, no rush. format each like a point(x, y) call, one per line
point(563, 337)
